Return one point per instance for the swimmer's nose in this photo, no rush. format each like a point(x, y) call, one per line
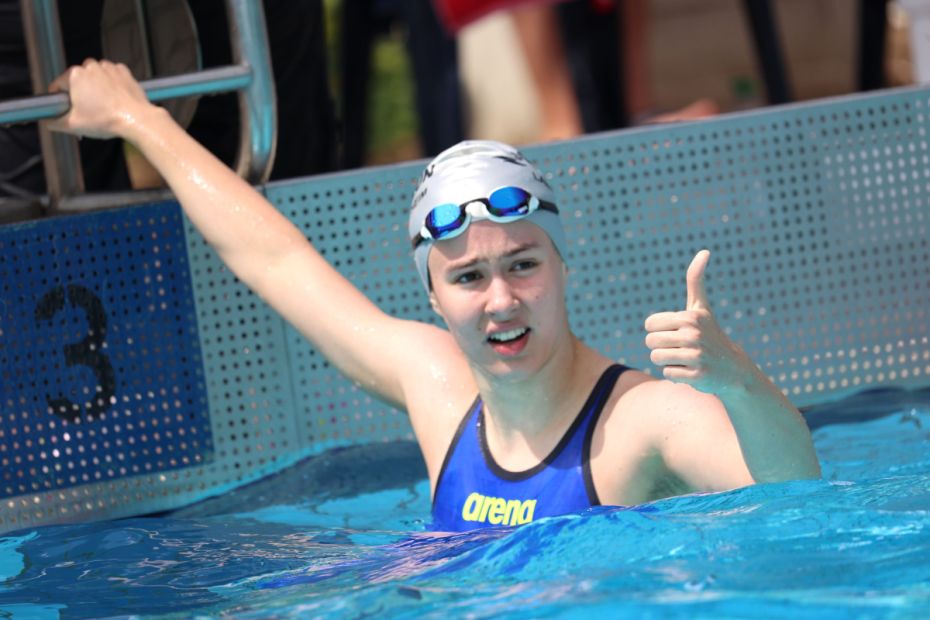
point(502, 303)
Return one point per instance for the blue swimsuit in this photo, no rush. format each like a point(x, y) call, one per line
point(473, 491)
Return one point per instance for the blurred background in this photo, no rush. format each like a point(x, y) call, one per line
point(366, 82)
point(692, 50)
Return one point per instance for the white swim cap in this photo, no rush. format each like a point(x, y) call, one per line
point(472, 170)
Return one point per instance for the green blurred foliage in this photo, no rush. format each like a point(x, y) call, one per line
point(392, 123)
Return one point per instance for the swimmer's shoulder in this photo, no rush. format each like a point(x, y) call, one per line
point(436, 355)
point(624, 464)
point(647, 401)
point(633, 396)
point(661, 431)
point(438, 390)
point(436, 369)
point(644, 411)
point(627, 451)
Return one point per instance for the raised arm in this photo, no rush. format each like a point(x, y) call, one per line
point(772, 440)
point(262, 247)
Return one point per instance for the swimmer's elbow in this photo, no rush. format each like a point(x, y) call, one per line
point(802, 469)
point(812, 472)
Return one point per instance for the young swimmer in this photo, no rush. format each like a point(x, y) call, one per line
point(517, 419)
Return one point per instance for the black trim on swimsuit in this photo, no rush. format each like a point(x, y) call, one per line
point(589, 438)
point(455, 442)
point(606, 380)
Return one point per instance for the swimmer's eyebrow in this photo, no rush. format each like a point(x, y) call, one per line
point(467, 264)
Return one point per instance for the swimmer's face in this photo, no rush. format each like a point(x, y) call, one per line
point(501, 291)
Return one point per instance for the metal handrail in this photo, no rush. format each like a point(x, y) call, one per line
point(251, 76)
point(206, 82)
point(60, 156)
point(257, 105)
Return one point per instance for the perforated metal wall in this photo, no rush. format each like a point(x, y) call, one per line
point(102, 376)
point(358, 222)
point(816, 216)
point(817, 220)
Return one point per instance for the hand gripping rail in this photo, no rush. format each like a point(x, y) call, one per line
point(251, 76)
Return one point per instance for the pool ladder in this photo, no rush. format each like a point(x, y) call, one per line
point(250, 75)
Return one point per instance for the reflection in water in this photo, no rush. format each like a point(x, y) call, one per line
point(346, 534)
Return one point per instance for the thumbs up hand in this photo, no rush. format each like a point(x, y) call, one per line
point(689, 345)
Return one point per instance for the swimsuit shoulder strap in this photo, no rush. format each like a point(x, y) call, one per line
point(470, 414)
point(599, 397)
point(570, 448)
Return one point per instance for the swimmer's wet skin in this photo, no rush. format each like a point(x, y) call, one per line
point(474, 490)
point(507, 396)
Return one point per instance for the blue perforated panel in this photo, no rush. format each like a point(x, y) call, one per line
point(358, 223)
point(816, 216)
point(248, 375)
point(102, 376)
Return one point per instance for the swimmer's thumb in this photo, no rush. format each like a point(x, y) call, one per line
point(697, 295)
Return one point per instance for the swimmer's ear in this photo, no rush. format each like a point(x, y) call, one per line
point(435, 305)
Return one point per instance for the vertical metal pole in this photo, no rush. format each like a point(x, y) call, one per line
point(141, 12)
point(257, 105)
point(768, 50)
point(873, 24)
point(44, 45)
point(355, 37)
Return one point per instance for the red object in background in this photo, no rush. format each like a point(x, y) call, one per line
point(456, 14)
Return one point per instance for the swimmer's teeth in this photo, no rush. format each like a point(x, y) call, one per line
point(513, 334)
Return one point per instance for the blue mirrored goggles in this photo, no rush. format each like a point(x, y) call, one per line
point(504, 205)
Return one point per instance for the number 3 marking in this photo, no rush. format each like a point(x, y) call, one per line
point(88, 352)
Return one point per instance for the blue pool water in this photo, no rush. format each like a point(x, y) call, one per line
point(344, 535)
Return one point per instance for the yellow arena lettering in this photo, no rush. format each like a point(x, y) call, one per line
point(472, 507)
point(495, 516)
point(497, 510)
point(513, 511)
point(485, 507)
point(526, 511)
